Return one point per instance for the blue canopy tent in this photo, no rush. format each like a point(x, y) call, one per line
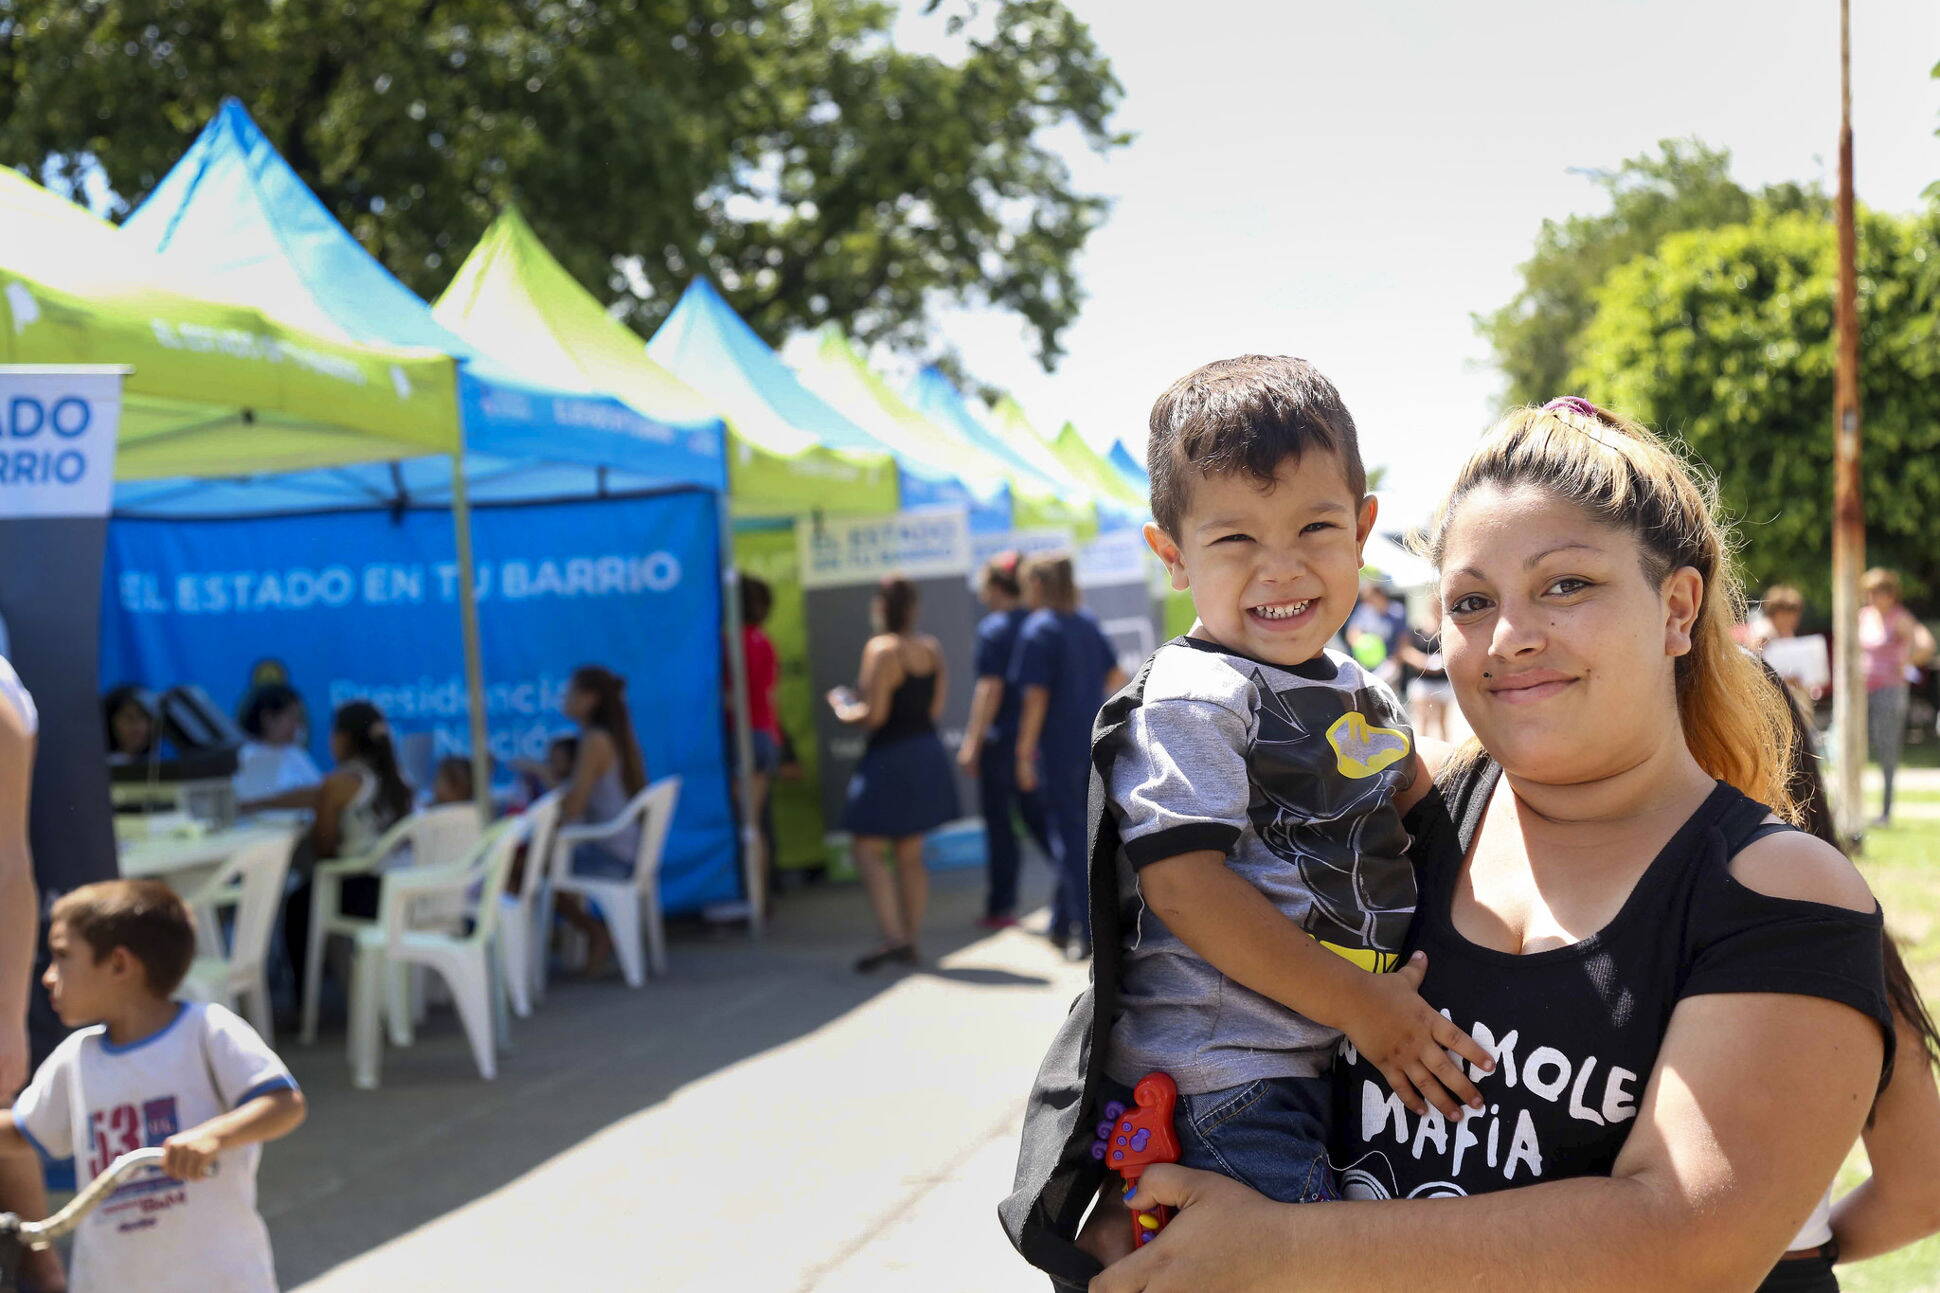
point(936, 397)
point(711, 348)
point(1129, 467)
point(234, 211)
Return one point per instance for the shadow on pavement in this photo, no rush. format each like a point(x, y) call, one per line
point(372, 1165)
point(988, 978)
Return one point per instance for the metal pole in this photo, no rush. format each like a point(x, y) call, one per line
point(1848, 506)
point(461, 524)
point(737, 662)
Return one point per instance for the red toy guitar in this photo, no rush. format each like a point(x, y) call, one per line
point(1131, 1140)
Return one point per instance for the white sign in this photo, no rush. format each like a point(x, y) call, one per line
point(1117, 557)
point(1025, 543)
point(57, 441)
point(914, 545)
point(1804, 661)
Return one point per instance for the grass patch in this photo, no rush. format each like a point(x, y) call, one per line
point(1900, 864)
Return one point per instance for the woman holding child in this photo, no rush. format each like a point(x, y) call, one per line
point(1682, 997)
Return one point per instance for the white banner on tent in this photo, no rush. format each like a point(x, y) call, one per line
point(1117, 557)
point(915, 545)
point(1025, 543)
point(57, 440)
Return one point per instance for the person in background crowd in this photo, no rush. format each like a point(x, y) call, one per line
point(608, 770)
point(128, 717)
point(21, 1190)
point(561, 757)
point(1778, 616)
point(764, 717)
point(1777, 619)
point(1064, 667)
point(273, 760)
point(1429, 692)
point(1890, 638)
point(1378, 619)
point(903, 787)
point(363, 796)
point(451, 783)
point(989, 748)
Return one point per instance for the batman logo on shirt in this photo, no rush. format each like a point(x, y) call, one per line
point(1361, 751)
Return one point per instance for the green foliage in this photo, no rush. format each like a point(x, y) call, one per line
point(787, 148)
point(1684, 185)
point(1725, 338)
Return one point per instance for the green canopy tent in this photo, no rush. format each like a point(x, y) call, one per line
point(1090, 466)
point(511, 296)
point(216, 389)
point(1119, 504)
point(208, 387)
point(839, 374)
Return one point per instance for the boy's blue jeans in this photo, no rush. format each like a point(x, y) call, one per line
point(1270, 1134)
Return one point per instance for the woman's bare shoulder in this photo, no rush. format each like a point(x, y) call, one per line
point(1802, 867)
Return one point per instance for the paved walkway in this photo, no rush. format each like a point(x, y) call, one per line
point(764, 1119)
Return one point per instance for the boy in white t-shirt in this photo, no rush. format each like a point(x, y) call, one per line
point(192, 1078)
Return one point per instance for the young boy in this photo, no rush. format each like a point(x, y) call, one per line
point(194, 1079)
point(1257, 783)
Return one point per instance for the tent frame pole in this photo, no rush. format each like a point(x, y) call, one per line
point(752, 862)
point(461, 525)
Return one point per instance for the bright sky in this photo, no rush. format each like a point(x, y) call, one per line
point(1349, 182)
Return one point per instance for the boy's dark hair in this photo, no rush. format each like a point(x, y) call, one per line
point(1248, 414)
point(145, 916)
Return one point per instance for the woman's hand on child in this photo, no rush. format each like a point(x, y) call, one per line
point(1224, 1238)
point(1409, 1041)
point(190, 1155)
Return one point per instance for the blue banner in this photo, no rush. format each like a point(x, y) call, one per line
point(365, 605)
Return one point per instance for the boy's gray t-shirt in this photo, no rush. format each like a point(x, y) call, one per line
point(1291, 772)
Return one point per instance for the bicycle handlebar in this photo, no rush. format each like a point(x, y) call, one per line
point(43, 1234)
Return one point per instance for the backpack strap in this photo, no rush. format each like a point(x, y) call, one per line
point(1057, 1177)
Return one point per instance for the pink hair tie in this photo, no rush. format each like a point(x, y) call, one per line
point(1575, 404)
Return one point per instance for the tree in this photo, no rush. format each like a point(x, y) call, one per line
point(789, 149)
point(1684, 185)
point(1724, 337)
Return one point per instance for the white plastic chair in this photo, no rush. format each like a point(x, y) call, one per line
point(462, 959)
point(623, 902)
point(434, 837)
point(251, 881)
point(521, 940)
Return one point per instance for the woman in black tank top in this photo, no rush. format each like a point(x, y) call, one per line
point(1686, 999)
point(904, 786)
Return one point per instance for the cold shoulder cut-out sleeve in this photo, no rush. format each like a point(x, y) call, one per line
point(1740, 940)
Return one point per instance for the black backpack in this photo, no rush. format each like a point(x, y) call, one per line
point(1057, 1175)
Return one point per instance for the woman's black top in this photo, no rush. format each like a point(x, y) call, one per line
point(909, 709)
point(1576, 1029)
